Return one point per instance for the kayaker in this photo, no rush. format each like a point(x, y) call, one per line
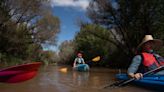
point(78, 60)
point(147, 59)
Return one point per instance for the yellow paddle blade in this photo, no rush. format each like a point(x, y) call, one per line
point(63, 70)
point(96, 59)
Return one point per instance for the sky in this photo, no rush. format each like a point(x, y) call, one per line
point(68, 12)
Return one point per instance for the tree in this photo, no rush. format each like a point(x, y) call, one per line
point(130, 19)
point(25, 25)
point(47, 28)
point(94, 41)
point(47, 57)
point(67, 52)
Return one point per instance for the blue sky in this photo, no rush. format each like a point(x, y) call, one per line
point(68, 12)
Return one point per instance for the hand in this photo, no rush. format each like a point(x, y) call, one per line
point(74, 66)
point(138, 76)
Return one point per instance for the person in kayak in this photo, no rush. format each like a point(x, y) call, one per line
point(147, 59)
point(78, 60)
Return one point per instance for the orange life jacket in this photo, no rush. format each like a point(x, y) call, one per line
point(150, 62)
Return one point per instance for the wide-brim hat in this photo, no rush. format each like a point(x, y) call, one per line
point(156, 43)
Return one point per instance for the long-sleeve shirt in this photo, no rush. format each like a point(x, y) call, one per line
point(136, 62)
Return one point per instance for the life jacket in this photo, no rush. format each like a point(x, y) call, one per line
point(149, 61)
point(79, 61)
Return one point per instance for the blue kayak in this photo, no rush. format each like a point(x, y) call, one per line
point(82, 67)
point(155, 82)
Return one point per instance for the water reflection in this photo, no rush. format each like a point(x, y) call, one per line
point(80, 77)
point(64, 79)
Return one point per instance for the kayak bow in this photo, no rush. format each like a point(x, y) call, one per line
point(19, 73)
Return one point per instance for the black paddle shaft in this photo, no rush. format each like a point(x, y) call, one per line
point(122, 83)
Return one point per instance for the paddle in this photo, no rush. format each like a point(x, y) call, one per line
point(63, 70)
point(96, 59)
point(122, 83)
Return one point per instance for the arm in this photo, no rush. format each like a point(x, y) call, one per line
point(158, 57)
point(74, 64)
point(134, 67)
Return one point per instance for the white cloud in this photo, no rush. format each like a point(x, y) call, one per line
point(82, 4)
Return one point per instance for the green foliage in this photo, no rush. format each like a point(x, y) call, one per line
point(47, 28)
point(9, 60)
point(91, 41)
point(25, 25)
point(47, 57)
point(66, 52)
point(129, 20)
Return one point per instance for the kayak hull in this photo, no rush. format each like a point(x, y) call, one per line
point(155, 82)
point(22, 77)
point(19, 73)
point(82, 67)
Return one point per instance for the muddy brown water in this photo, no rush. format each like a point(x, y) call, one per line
point(64, 79)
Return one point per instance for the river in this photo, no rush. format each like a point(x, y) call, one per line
point(64, 79)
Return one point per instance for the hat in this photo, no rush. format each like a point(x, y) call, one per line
point(147, 39)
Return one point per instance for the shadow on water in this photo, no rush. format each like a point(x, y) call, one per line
point(64, 79)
